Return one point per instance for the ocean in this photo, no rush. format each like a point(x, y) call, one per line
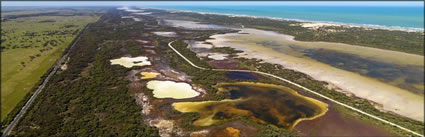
point(411, 18)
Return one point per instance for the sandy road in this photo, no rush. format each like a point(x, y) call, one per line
point(40, 88)
point(295, 84)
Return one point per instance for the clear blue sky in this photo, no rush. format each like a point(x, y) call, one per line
point(147, 3)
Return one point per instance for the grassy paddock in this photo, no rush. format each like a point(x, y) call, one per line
point(25, 56)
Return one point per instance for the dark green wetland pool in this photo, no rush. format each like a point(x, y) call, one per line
point(274, 104)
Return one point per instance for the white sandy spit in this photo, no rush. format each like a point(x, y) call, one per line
point(142, 13)
point(137, 19)
point(142, 41)
point(127, 17)
point(217, 56)
point(165, 34)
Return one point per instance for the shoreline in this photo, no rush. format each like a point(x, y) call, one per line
point(325, 97)
point(363, 90)
point(301, 23)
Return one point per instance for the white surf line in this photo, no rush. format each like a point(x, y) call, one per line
point(311, 91)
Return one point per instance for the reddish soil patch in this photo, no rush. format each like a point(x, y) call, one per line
point(333, 123)
point(244, 130)
point(224, 64)
point(226, 132)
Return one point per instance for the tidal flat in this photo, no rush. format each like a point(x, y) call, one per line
point(264, 103)
point(195, 25)
point(390, 78)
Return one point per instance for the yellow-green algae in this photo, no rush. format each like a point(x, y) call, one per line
point(274, 104)
point(148, 75)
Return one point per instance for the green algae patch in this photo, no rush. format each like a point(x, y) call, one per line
point(171, 89)
point(265, 103)
point(208, 109)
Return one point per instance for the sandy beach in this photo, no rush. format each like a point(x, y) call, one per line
point(303, 23)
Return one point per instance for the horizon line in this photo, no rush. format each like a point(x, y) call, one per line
point(212, 3)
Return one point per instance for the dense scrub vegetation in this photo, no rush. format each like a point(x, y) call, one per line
point(96, 104)
point(227, 50)
point(409, 42)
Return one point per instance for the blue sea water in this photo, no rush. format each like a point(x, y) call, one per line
point(390, 17)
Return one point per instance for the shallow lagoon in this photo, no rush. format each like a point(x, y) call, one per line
point(370, 78)
point(408, 77)
point(171, 89)
point(393, 79)
point(195, 25)
point(260, 102)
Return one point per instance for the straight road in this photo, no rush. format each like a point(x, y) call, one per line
point(40, 88)
point(295, 84)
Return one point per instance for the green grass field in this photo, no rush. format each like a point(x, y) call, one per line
point(23, 12)
point(30, 46)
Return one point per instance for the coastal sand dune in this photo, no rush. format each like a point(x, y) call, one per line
point(277, 48)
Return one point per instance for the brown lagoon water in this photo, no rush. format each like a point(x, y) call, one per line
point(408, 77)
point(393, 79)
point(260, 102)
